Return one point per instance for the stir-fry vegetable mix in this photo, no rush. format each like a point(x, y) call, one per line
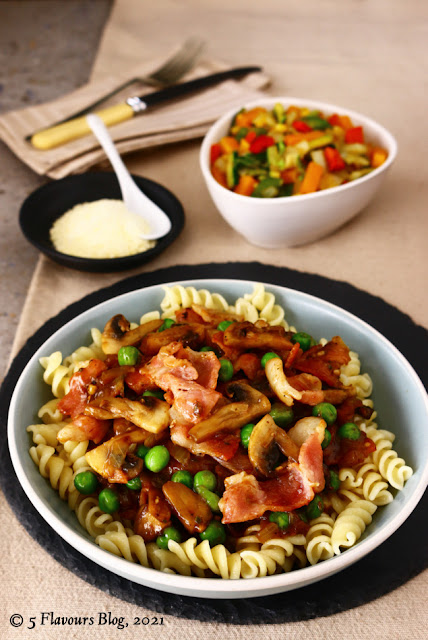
point(207, 424)
point(293, 151)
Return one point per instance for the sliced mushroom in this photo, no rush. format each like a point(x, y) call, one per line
point(305, 427)
point(189, 335)
point(248, 405)
point(278, 381)
point(149, 413)
point(108, 458)
point(154, 513)
point(246, 335)
point(192, 510)
point(215, 316)
point(267, 440)
point(117, 333)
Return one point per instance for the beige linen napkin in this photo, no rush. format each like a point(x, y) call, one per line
point(182, 119)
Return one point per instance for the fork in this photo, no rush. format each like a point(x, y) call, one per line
point(168, 73)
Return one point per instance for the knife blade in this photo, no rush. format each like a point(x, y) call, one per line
point(78, 127)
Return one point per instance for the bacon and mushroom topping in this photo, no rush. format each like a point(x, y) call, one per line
point(279, 383)
point(84, 428)
point(149, 413)
point(246, 335)
point(189, 335)
point(247, 498)
point(249, 405)
point(192, 510)
point(267, 440)
point(118, 333)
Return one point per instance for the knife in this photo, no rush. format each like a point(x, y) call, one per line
point(78, 127)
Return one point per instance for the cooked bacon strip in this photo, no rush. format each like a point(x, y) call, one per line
point(84, 428)
point(117, 333)
point(222, 448)
point(74, 402)
point(246, 498)
point(215, 316)
point(179, 372)
point(325, 361)
point(246, 335)
point(148, 413)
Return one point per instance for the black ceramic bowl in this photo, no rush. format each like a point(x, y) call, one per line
point(40, 210)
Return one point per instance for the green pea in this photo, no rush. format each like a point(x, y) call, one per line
point(226, 370)
point(281, 518)
point(128, 356)
point(326, 411)
point(282, 415)
point(205, 479)
point(349, 430)
point(211, 498)
point(327, 439)
point(156, 458)
point(167, 324)
point(141, 451)
point(170, 533)
point(206, 348)
point(304, 339)
point(268, 356)
point(246, 432)
point(222, 326)
point(86, 482)
point(134, 484)
point(215, 533)
point(154, 393)
point(334, 482)
point(183, 477)
point(315, 508)
point(108, 501)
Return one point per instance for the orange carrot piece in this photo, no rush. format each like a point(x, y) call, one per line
point(378, 157)
point(288, 176)
point(294, 138)
point(311, 179)
point(219, 176)
point(228, 144)
point(246, 185)
point(246, 118)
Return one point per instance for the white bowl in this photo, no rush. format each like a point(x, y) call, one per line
point(399, 398)
point(290, 221)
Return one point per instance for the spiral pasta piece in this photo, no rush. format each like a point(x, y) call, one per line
point(351, 524)
point(179, 297)
point(367, 483)
point(90, 516)
point(49, 412)
point(45, 433)
point(54, 468)
point(123, 544)
point(350, 374)
point(318, 539)
point(264, 303)
point(56, 374)
point(392, 468)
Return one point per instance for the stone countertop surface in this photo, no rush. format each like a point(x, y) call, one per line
point(38, 40)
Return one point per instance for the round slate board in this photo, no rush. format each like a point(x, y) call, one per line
point(400, 558)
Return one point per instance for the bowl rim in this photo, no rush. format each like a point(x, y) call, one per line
point(191, 585)
point(325, 106)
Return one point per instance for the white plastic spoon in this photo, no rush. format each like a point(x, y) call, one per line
point(135, 200)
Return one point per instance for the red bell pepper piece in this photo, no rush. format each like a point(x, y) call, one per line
point(334, 120)
point(301, 126)
point(334, 160)
point(353, 135)
point(251, 135)
point(261, 143)
point(215, 152)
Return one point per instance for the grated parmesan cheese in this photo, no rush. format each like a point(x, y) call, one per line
point(100, 229)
